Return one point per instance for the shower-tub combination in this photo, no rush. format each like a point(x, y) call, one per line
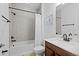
point(22, 31)
point(20, 27)
point(22, 48)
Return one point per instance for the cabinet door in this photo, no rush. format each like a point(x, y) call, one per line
point(49, 52)
point(57, 54)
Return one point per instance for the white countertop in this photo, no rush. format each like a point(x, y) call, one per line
point(70, 46)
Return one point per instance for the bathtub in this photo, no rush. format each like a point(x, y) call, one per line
point(21, 48)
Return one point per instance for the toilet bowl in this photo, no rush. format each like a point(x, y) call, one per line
point(39, 50)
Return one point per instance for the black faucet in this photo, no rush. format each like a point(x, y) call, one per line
point(65, 37)
point(70, 34)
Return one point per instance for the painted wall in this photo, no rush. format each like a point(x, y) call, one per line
point(70, 15)
point(48, 20)
point(34, 7)
point(4, 28)
point(23, 25)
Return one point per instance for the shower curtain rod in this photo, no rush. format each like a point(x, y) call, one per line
point(24, 10)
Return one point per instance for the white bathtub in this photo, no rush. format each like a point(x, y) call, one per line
point(22, 48)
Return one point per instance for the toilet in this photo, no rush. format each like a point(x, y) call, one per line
point(39, 50)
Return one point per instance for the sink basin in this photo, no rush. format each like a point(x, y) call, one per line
point(61, 42)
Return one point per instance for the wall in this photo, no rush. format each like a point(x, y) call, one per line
point(48, 26)
point(4, 28)
point(27, 6)
point(70, 15)
point(23, 25)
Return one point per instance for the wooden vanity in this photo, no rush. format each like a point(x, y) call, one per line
point(53, 50)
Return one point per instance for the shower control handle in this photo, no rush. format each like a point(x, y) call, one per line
point(12, 37)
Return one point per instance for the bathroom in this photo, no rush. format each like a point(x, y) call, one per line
point(39, 29)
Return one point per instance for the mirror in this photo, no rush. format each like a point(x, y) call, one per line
point(58, 19)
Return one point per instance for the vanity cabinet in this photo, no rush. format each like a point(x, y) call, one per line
point(53, 50)
point(49, 52)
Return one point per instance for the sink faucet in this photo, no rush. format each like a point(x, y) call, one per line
point(65, 37)
point(70, 34)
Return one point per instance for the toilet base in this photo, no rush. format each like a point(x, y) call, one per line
point(39, 50)
point(40, 54)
